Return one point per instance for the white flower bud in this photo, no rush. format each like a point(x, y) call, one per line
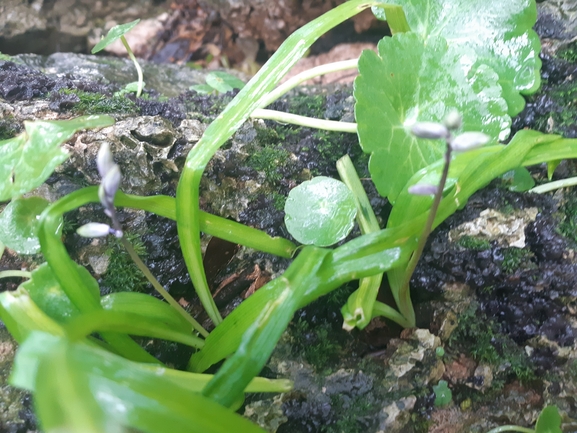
point(94, 230)
point(423, 189)
point(117, 233)
point(110, 183)
point(453, 120)
point(469, 141)
point(430, 130)
point(104, 159)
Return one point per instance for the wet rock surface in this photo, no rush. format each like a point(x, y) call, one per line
point(503, 315)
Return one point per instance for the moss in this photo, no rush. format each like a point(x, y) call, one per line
point(9, 128)
point(482, 339)
point(278, 201)
point(517, 259)
point(474, 243)
point(315, 344)
point(122, 274)
point(569, 53)
point(353, 412)
point(308, 105)
point(568, 226)
point(97, 103)
point(269, 159)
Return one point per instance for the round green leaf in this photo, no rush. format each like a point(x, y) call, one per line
point(19, 224)
point(500, 33)
point(113, 34)
point(320, 211)
point(411, 81)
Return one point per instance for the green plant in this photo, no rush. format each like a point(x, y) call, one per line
point(118, 32)
point(432, 66)
point(218, 81)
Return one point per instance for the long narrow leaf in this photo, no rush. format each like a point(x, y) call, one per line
point(247, 100)
point(126, 394)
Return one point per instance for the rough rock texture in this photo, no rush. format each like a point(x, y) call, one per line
point(47, 26)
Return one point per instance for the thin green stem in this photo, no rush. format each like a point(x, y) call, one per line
point(359, 309)
point(511, 428)
point(223, 228)
point(552, 186)
point(309, 122)
point(158, 287)
point(298, 79)
point(404, 295)
point(15, 273)
point(384, 310)
point(136, 65)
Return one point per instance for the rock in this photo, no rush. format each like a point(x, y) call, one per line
point(44, 27)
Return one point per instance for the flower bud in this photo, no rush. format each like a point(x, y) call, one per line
point(430, 130)
point(104, 159)
point(94, 230)
point(423, 189)
point(109, 185)
point(469, 141)
point(453, 120)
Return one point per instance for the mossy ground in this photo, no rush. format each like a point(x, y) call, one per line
point(122, 274)
point(483, 340)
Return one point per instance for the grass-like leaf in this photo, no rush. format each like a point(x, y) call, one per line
point(79, 385)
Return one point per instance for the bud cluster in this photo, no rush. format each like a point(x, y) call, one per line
point(442, 131)
point(111, 177)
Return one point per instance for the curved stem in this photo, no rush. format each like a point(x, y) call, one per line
point(552, 186)
point(309, 122)
point(15, 273)
point(233, 116)
point(290, 84)
point(136, 65)
point(384, 310)
point(511, 428)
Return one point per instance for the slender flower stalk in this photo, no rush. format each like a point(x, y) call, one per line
point(111, 178)
point(461, 143)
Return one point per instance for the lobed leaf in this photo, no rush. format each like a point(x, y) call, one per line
point(28, 159)
point(411, 81)
point(549, 421)
point(500, 33)
point(223, 81)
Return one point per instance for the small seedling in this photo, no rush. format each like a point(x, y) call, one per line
point(218, 81)
point(118, 32)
